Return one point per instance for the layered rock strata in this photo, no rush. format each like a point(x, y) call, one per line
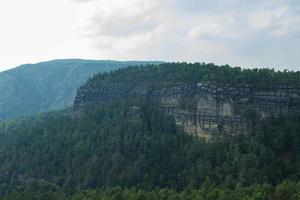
point(198, 108)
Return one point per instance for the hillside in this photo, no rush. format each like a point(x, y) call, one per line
point(41, 87)
point(120, 142)
point(204, 99)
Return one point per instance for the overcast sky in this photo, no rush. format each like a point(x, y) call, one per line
point(247, 33)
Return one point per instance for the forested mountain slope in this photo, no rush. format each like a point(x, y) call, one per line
point(130, 148)
point(117, 146)
point(34, 88)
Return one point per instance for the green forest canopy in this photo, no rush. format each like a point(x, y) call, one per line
point(201, 72)
point(110, 154)
point(108, 148)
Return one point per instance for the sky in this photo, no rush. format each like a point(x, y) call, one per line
point(246, 33)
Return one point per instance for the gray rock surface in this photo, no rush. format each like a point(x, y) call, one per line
point(202, 109)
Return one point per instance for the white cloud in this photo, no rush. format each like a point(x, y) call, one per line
point(261, 19)
point(122, 21)
point(212, 31)
point(239, 32)
point(35, 30)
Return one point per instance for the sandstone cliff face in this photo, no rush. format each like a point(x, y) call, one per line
point(202, 109)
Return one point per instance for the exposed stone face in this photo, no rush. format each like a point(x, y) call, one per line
point(201, 108)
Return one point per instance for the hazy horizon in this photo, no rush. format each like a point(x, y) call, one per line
point(45, 61)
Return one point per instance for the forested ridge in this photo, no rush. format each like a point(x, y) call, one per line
point(125, 151)
point(258, 78)
point(33, 88)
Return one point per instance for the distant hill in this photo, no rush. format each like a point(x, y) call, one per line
point(33, 88)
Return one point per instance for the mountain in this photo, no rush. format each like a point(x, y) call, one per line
point(41, 87)
point(124, 138)
point(204, 99)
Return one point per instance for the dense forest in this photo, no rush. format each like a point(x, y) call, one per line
point(262, 78)
point(284, 191)
point(125, 151)
point(112, 147)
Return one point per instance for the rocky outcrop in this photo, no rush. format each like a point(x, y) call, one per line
point(201, 108)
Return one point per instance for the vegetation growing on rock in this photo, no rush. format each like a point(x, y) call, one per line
point(125, 150)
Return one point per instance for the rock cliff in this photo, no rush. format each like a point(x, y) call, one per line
point(198, 108)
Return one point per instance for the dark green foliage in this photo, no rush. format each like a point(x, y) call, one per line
point(110, 147)
point(201, 72)
point(35, 88)
point(56, 156)
point(287, 190)
point(106, 148)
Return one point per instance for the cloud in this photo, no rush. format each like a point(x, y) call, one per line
point(83, 1)
point(122, 22)
point(239, 32)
